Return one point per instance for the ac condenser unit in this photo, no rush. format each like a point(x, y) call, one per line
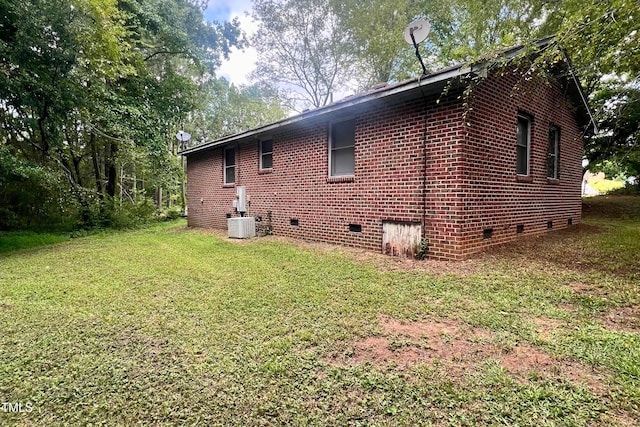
point(241, 227)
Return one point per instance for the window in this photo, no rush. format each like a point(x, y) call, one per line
point(524, 142)
point(341, 148)
point(553, 152)
point(229, 165)
point(266, 154)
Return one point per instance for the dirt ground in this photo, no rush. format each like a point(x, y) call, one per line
point(461, 349)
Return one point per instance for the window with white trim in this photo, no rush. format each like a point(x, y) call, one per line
point(553, 152)
point(229, 165)
point(523, 148)
point(341, 148)
point(266, 154)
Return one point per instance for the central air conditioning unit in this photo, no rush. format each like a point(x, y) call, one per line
point(241, 227)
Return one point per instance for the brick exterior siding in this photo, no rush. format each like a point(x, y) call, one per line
point(469, 162)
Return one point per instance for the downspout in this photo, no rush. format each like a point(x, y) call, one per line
point(424, 160)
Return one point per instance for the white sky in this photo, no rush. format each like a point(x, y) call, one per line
point(241, 62)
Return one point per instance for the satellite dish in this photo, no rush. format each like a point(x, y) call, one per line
point(183, 136)
point(419, 29)
point(415, 33)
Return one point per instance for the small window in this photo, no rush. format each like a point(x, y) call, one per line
point(524, 145)
point(553, 152)
point(341, 148)
point(266, 154)
point(355, 228)
point(229, 165)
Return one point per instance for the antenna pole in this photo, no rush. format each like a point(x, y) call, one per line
point(413, 39)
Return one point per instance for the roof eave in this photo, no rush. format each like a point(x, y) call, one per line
point(423, 81)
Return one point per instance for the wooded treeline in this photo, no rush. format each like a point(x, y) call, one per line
point(92, 92)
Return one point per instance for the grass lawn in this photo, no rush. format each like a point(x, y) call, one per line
point(181, 327)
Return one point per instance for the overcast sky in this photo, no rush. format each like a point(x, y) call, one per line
point(240, 63)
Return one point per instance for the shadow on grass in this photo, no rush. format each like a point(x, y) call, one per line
point(606, 241)
point(17, 240)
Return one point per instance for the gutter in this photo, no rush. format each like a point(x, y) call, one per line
point(388, 91)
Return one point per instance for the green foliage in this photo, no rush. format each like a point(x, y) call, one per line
point(628, 190)
point(128, 214)
point(224, 109)
point(30, 195)
point(610, 168)
point(173, 212)
point(302, 50)
point(18, 240)
point(618, 143)
point(92, 92)
point(421, 249)
point(375, 29)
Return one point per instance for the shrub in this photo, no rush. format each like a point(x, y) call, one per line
point(421, 249)
point(174, 212)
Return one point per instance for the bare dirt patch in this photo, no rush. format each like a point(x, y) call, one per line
point(545, 326)
point(625, 319)
point(567, 306)
point(463, 348)
point(582, 287)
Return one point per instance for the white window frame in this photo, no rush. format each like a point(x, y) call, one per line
point(332, 150)
point(225, 166)
point(555, 154)
point(263, 153)
point(528, 139)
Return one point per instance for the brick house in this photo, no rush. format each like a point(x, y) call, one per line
point(465, 158)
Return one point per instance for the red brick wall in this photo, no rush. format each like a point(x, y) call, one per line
point(388, 182)
point(470, 183)
point(494, 196)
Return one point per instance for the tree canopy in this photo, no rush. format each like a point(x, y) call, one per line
point(89, 88)
point(302, 50)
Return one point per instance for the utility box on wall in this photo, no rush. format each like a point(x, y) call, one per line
point(241, 199)
point(241, 227)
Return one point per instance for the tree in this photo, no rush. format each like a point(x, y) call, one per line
point(302, 52)
point(618, 142)
point(602, 39)
point(461, 31)
point(86, 85)
point(224, 109)
point(375, 28)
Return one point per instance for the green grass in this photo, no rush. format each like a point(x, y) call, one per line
point(173, 326)
point(16, 240)
point(604, 186)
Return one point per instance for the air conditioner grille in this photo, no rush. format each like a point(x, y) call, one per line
point(241, 227)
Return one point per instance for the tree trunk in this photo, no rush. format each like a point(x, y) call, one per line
point(96, 167)
point(110, 169)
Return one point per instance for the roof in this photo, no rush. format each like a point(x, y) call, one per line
point(419, 86)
